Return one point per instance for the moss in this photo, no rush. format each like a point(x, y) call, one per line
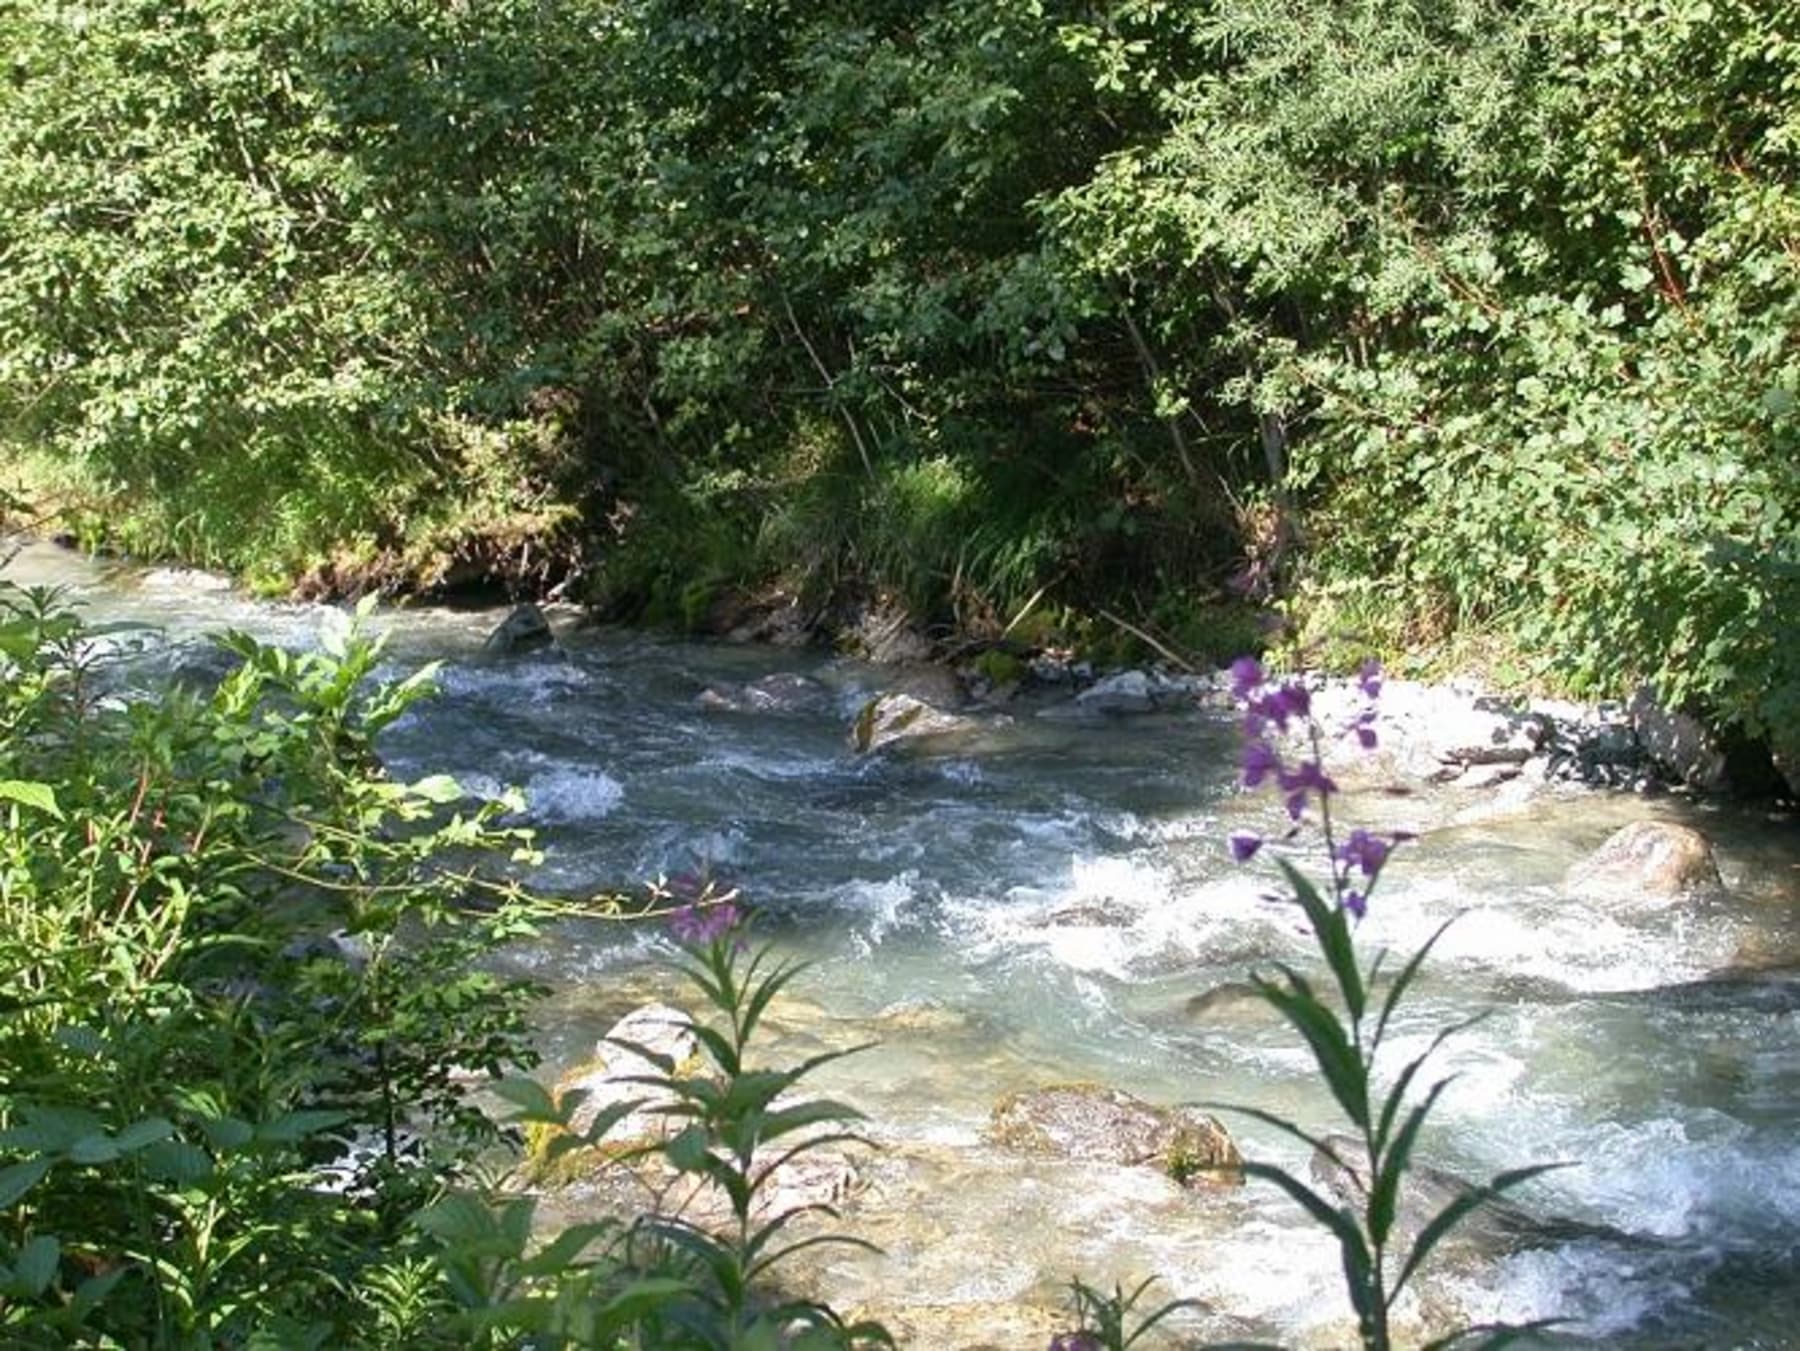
point(1000, 667)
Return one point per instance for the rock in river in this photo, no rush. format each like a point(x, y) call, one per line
point(1648, 858)
point(1096, 1124)
point(888, 718)
point(524, 630)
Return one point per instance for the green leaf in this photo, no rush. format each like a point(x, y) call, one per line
point(1385, 1191)
point(643, 1297)
point(178, 1162)
point(19, 1178)
point(1331, 927)
point(1338, 1221)
point(94, 1149)
point(40, 796)
point(1404, 980)
point(91, 1293)
point(1345, 1074)
point(556, 1256)
point(142, 1133)
point(293, 1127)
point(531, 1098)
point(36, 1266)
point(1459, 1209)
point(441, 789)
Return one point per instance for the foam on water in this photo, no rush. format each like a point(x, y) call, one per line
point(569, 796)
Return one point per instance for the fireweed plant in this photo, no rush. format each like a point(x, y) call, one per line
point(1345, 1035)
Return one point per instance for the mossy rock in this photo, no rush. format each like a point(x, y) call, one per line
point(1093, 1123)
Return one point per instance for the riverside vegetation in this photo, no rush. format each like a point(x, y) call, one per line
point(1455, 321)
point(249, 991)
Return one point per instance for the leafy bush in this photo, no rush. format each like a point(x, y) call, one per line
point(246, 981)
point(235, 953)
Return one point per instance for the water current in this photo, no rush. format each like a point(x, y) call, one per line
point(1045, 904)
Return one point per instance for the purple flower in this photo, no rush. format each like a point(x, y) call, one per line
point(1300, 783)
point(1356, 903)
point(1259, 762)
point(1246, 677)
point(1280, 707)
point(1075, 1341)
point(1364, 851)
point(698, 927)
point(1366, 738)
point(1244, 845)
point(1368, 675)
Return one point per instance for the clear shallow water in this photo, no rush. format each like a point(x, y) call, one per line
point(1044, 904)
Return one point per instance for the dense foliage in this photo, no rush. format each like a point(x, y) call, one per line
point(1461, 317)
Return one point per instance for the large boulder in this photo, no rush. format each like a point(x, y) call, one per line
point(1648, 858)
point(524, 630)
point(1095, 1124)
point(890, 718)
point(1686, 749)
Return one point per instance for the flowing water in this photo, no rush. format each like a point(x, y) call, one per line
point(1044, 904)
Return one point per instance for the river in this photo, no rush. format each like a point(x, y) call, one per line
point(1043, 905)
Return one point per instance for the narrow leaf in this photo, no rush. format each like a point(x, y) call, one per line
point(1459, 1209)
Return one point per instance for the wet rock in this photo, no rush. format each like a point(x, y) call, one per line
point(890, 718)
point(1690, 752)
point(659, 1029)
point(1095, 1124)
point(971, 1326)
point(340, 945)
point(775, 617)
point(1125, 693)
point(191, 580)
point(1678, 742)
point(826, 1176)
point(1649, 858)
point(921, 1016)
point(524, 630)
point(782, 693)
